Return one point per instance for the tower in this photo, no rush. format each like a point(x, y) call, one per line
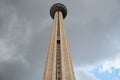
point(58, 64)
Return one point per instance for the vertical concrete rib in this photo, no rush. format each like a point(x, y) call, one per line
point(68, 63)
point(50, 69)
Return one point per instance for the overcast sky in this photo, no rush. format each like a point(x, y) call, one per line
point(93, 31)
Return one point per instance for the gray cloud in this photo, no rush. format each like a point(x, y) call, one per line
point(89, 31)
point(20, 52)
point(25, 25)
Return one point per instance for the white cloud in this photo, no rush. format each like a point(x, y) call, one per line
point(109, 64)
point(82, 73)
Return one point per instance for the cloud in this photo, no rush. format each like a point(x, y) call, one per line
point(108, 65)
point(7, 52)
point(82, 73)
point(88, 30)
point(108, 69)
point(12, 62)
point(22, 44)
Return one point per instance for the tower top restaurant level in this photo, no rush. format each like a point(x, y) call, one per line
point(58, 7)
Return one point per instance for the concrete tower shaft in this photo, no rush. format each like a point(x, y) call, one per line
point(58, 63)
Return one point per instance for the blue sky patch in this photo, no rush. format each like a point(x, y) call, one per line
point(105, 75)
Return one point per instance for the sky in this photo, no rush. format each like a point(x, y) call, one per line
point(93, 32)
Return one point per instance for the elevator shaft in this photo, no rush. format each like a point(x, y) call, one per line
point(58, 54)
